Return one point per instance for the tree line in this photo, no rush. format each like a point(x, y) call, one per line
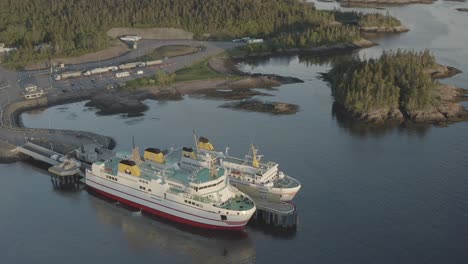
point(71, 28)
point(396, 80)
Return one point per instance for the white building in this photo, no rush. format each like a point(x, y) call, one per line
point(132, 38)
point(32, 92)
point(5, 49)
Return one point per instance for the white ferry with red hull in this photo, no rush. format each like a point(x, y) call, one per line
point(201, 198)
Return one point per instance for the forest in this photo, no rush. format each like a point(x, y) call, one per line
point(396, 80)
point(71, 28)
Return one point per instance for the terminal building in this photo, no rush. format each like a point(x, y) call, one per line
point(131, 38)
point(32, 92)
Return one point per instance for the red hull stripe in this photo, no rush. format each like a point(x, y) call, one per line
point(166, 215)
point(227, 222)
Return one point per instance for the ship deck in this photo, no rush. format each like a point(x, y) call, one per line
point(150, 171)
point(238, 204)
point(286, 182)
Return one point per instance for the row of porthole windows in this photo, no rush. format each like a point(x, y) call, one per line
point(143, 181)
point(111, 178)
point(193, 203)
point(144, 189)
point(228, 212)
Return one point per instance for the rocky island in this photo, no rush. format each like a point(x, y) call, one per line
point(397, 87)
point(275, 108)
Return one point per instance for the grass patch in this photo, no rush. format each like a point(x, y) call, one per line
point(169, 51)
point(199, 71)
point(138, 83)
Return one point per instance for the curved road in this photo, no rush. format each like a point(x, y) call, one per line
point(12, 82)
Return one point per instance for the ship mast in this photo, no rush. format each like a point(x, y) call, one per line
point(135, 153)
point(255, 162)
point(195, 139)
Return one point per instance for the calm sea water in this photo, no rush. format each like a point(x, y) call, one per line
point(397, 195)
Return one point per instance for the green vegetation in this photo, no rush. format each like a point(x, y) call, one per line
point(72, 28)
point(168, 51)
point(199, 71)
point(196, 72)
point(138, 83)
point(378, 20)
point(318, 36)
point(395, 80)
point(308, 38)
point(164, 79)
point(161, 78)
point(367, 20)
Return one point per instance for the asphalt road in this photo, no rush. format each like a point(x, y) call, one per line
point(11, 82)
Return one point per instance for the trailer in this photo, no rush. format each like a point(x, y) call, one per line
point(153, 62)
point(66, 75)
point(122, 74)
point(100, 70)
point(127, 66)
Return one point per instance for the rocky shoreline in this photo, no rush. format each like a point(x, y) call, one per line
point(397, 29)
point(322, 50)
point(275, 108)
point(448, 111)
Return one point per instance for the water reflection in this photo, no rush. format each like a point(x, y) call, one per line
point(328, 59)
point(364, 130)
point(144, 232)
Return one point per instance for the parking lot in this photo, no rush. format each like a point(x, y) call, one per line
point(44, 78)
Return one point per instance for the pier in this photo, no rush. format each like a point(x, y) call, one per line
point(279, 215)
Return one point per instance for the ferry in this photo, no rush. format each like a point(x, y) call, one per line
point(202, 198)
point(250, 175)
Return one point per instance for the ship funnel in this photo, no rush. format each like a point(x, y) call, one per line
point(154, 154)
point(129, 167)
point(189, 153)
point(204, 143)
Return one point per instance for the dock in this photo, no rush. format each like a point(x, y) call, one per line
point(66, 172)
point(275, 214)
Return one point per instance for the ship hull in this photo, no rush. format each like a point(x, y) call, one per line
point(162, 214)
point(167, 211)
point(272, 195)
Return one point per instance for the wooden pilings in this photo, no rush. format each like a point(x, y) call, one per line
point(275, 218)
point(71, 182)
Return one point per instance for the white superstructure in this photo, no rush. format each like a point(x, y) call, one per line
point(201, 198)
point(250, 175)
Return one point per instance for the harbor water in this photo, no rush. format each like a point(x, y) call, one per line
point(395, 195)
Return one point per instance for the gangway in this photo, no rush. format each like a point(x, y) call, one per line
point(40, 153)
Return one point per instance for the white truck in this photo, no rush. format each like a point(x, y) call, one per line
point(139, 72)
point(122, 74)
point(253, 41)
